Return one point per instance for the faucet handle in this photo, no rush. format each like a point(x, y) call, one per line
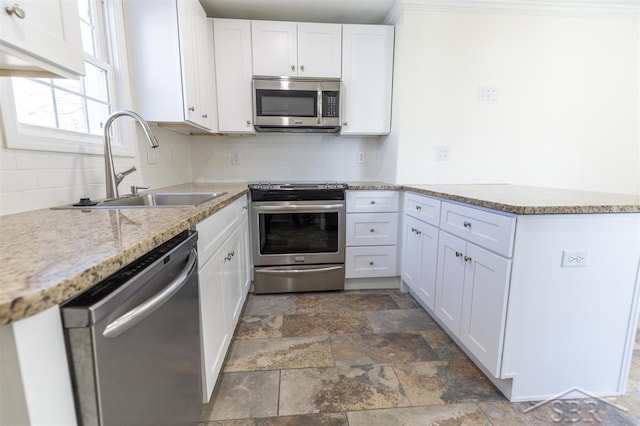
point(121, 175)
point(136, 188)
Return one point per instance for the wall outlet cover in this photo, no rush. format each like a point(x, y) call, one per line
point(575, 258)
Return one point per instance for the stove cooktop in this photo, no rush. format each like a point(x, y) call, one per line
point(297, 186)
point(302, 191)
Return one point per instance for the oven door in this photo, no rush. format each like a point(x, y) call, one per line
point(298, 232)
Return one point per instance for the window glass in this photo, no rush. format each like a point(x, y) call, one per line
point(79, 105)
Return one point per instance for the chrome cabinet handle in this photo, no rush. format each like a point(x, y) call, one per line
point(373, 230)
point(137, 314)
point(458, 254)
point(373, 201)
point(192, 108)
point(248, 122)
point(345, 123)
point(418, 207)
point(466, 224)
point(418, 232)
point(371, 263)
point(302, 68)
point(205, 116)
point(293, 67)
point(468, 259)
point(16, 9)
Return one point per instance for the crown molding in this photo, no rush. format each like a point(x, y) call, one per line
point(623, 9)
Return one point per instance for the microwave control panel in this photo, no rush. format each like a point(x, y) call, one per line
point(330, 104)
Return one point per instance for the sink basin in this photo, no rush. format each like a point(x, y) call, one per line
point(154, 199)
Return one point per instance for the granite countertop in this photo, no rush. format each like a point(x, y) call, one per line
point(48, 256)
point(525, 200)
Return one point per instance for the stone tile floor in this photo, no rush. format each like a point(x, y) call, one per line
point(369, 358)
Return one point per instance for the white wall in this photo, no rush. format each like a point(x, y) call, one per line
point(284, 156)
point(567, 110)
point(38, 179)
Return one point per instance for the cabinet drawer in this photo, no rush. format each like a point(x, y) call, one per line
point(367, 262)
point(214, 230)
point(372, 229)
point(426, 209)
point(490, 230)
point(372, 201)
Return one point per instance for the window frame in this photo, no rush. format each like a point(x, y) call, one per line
point(31, 137)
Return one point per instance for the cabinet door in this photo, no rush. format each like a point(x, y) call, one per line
point(232, 41)
point(189, 33)
point(233, 284)
point(484, 305)
point(214, 329)
point(47, 39)
point(450, 281)
point(319, 50)
point(412, 253)
point(274, 47)
point(367, 72)
point(426, 287)
point(208, 97)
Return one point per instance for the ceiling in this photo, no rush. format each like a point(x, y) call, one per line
point(336, 11)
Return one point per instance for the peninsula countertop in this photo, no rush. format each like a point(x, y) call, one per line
point(48, 256)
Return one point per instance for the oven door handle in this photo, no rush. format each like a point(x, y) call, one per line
point(299, 271)
point(294, 207)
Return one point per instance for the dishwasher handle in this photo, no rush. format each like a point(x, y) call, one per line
point(140, 312)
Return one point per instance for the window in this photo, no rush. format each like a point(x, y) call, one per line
point(64, 114)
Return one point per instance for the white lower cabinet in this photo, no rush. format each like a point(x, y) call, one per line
point(371, 234)
point(471, 298)
point(420, 254)
point(223, 277)
point(484, 305)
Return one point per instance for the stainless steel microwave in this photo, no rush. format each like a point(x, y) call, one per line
point(296, 105)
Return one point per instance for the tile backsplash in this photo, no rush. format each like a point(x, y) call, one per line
point(284, 157)
point(40, 179)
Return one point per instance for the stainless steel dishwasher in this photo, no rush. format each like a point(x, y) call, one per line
point(134, 341)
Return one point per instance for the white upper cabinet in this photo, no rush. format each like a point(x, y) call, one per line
point(367, 73)
point(170, 63)
point(289, 49)
point(232, 39)
point(40, 38)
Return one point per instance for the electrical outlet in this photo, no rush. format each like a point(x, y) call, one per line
point(361, 158)
point(235, 158)
point(573, 258)
point(443, 153)
point(487, 93)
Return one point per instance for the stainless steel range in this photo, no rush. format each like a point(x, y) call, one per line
point(298, 236)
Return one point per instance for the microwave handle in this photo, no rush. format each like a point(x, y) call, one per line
point(319, 103)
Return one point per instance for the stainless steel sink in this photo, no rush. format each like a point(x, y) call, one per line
point(153, 199)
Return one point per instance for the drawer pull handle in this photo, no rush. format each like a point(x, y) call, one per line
point(373, 230)
point(373, 201)
point(467, 259)
point(418, 207)
point(15, 9)
point(458, 254)
point(418, 232)
point(466, 224)
point(371, 263)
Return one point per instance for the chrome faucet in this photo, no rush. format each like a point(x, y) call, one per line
point(113, 179)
